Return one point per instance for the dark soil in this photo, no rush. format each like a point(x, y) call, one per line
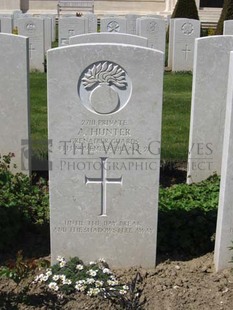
point(172, 285)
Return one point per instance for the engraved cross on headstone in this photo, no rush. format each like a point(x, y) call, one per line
point(71, 32)
point(186, 51)
point(103, 180)
point(31, 48)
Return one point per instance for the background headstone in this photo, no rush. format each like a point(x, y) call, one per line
point(113, 24)
point(224, 232)
point(53, 18)
point(185, 33)
point(92, 22)
point(71, 26)
point(34, 29)
point(105, 124)
point(170, 43)
point(47, 33)
point(228, 27)
point(6, 24)
point(210, 76)
point(14, 100)
point(131, 23)
point(107, 37)
point(154, 30)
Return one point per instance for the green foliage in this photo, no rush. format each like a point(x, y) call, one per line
point(226, 14)
point(187, 217)
point(38, 100)
point(19, 269)
point(176, 116)
point(185, 9)
point(22, 204)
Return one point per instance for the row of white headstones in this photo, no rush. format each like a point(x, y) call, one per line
point(41, 31)
point(105, 104)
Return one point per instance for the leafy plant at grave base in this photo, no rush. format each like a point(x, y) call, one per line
point(187, 217)
point(18, 269)
point(73, 276)
point(130, 300)
point(22, 204)
point(226, 14)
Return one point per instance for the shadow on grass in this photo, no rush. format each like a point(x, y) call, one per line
point(183, 235)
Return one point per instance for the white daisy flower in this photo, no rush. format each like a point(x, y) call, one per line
point(53, 286)
point(90, 280)
point(107, 271)
point(92, 272)
point(62, 264)
point(56, 277)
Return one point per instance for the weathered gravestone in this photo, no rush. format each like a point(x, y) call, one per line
point(228, 27)
point(47, 33)
point(113, 24)
point(6, 24)
point(224, 232)
point(185, 33)
point(131, 23)
point(34, 29)
point(210, 76)
point(154, 30)
point(170, 43)
point(14, 99)
point(92, 22)
point(106, 37)
point(105, 124)
point(69, 27)
point(53, 19)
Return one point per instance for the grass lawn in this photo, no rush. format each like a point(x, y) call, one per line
point(176, 114)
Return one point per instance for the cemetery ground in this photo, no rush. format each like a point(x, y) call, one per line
point(184, 277)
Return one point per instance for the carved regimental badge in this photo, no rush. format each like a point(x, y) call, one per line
point(152, 27)
point(104, 87)
point(113, 26)
point(187, 28)
point(30, 27)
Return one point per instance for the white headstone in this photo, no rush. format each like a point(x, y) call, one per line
point(14, 100)
point(34, 29)
point(69, 27)
point(185, 33)
point(113, 24)
point(107, 37)
point(210, 76)
point(224, 232)
point(17, 14)
point(170, 43)
point(105, 124)
point(154, 30)
point(228, 27)
point(6, 24)
point(47, 33)
point(131, 23)
point(53, 18)
point(92, 22)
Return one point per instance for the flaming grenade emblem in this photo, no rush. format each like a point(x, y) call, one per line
point(103, 80)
